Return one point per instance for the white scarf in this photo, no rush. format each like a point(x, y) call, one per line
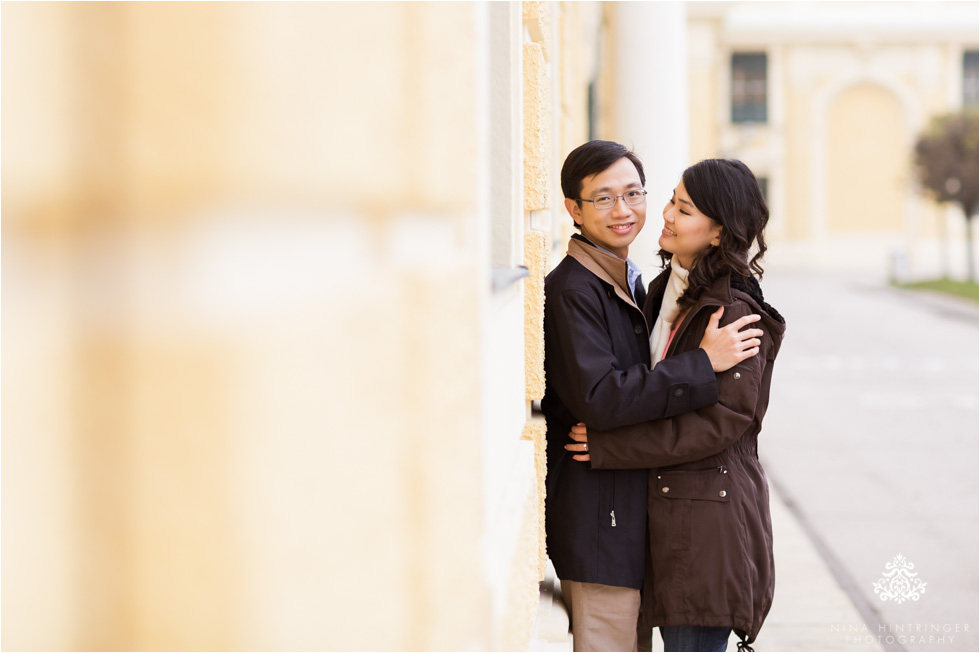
point(676, 285)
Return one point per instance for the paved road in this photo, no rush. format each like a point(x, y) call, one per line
point(872, 439)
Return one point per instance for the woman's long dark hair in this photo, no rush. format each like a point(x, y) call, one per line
point(726, 191)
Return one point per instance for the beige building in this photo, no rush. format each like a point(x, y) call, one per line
point(824, 101)
point(269, 346)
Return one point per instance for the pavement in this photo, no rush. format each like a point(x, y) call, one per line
point(872, 440)
point(826, 561)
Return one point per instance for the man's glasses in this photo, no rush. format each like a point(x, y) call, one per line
point(631, 197)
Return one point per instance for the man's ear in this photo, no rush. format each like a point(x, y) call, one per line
point(574, 210)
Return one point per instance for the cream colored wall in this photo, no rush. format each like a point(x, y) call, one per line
point(583, 60)
point(266, 397)
point(704, 62)
point(264, 298)
point(866, 165)
point(819, 148)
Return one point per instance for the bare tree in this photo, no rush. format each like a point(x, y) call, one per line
point(946, 156)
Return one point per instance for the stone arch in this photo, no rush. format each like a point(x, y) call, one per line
point(866, 164)
point(842, 97)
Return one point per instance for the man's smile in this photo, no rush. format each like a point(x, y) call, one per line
point(622, 228)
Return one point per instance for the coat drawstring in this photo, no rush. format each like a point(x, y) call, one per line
point(744, 646)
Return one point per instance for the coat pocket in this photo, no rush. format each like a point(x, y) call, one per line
point(679, 493)
point(708, 484)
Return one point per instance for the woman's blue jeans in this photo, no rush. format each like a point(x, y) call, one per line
point(694, 638)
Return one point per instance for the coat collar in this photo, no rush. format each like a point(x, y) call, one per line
point(608, 268)
point(719, 293)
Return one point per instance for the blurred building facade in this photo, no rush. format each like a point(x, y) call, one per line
point(824, 101)
point(273, 292)
point(272, 307)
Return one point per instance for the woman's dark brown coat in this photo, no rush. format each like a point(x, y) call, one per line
point(710, 533)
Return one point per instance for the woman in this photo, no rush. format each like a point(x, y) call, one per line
point(710, 565)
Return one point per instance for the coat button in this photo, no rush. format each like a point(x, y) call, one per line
point(637, 329)
point(665, 489)
point(736, 376)
point(679, 392)
point(723, 494)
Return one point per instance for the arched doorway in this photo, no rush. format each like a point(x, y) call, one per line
point(867, 162)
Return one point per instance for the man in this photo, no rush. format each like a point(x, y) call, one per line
point(597, 370)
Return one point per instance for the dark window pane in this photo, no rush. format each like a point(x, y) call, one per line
point(749, 87)
point(764, 187)
point(970, 78)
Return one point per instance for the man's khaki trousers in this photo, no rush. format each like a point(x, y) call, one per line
point(603, 616)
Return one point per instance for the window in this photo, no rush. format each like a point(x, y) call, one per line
point(764, 187)
point(970, 78)
point(749, 87)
